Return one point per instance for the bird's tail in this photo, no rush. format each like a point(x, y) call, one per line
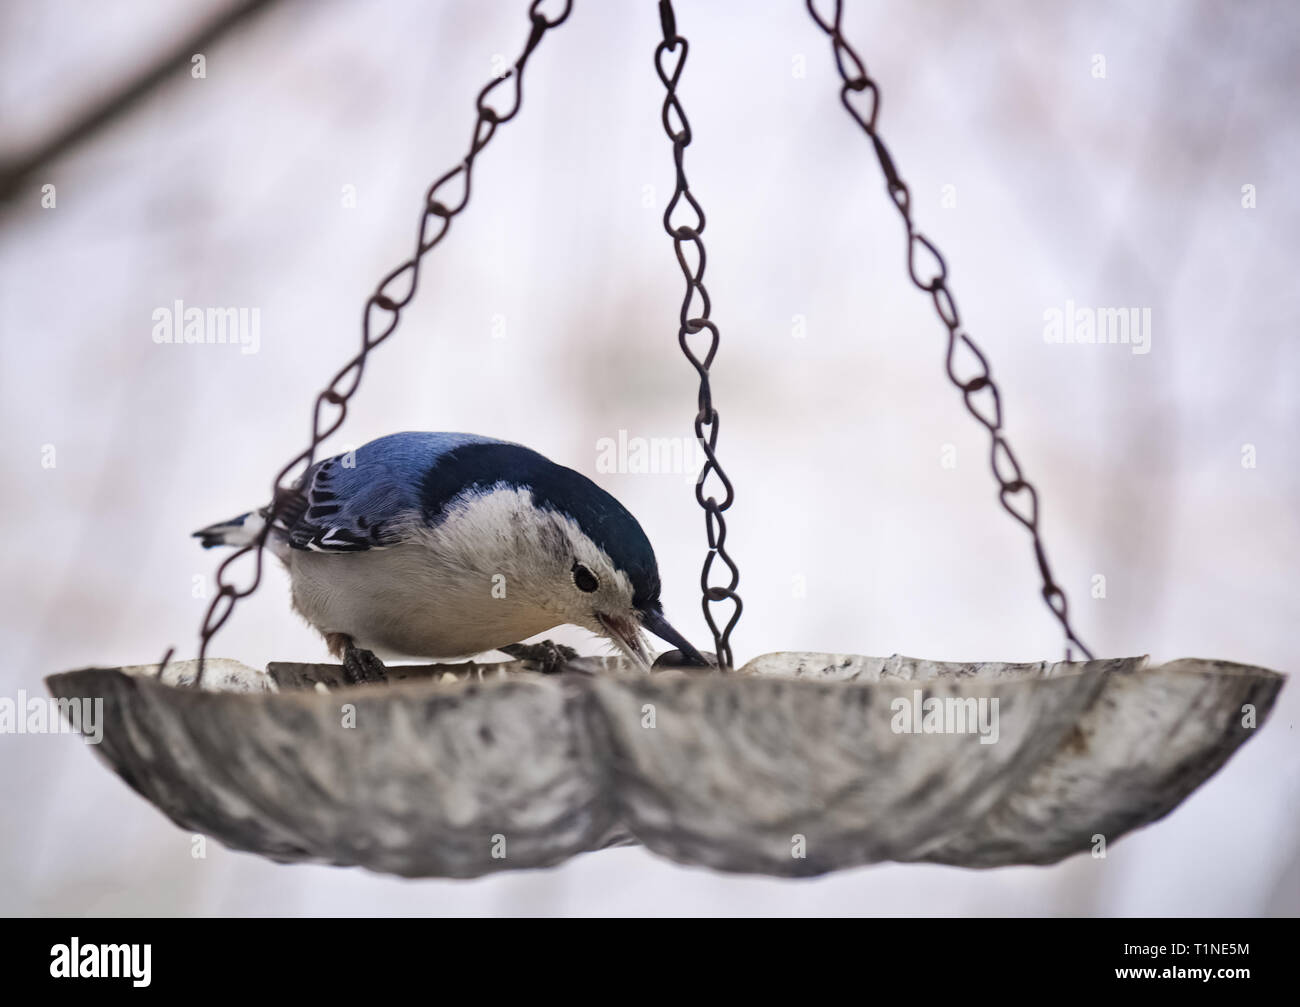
point(238, 531)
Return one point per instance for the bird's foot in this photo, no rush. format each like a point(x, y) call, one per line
point(549, 654)
point(361, 666)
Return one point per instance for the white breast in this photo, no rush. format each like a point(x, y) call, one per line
point(463, 588)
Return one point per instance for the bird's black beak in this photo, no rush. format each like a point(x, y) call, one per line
point(654, 621)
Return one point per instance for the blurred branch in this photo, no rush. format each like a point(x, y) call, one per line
point(16, 170)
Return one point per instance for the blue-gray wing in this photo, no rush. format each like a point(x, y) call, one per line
point(368, 498)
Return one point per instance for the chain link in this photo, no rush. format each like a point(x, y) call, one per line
point(380, 318)
point(860, 95)
point(706, 419)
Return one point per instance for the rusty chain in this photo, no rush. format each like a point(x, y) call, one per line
point(388, 307)
point(1012, 484)
point(706, 419)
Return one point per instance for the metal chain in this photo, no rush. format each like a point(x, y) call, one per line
point(706, 419)
point(379, 319)
point(864, 110)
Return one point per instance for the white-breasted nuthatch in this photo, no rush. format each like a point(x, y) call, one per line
point(441, 545)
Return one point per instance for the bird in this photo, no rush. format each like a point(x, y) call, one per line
point(449, 545)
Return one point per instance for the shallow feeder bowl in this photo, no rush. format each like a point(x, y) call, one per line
point(795, 764)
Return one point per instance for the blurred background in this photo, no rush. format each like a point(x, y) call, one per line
point(1104, 153)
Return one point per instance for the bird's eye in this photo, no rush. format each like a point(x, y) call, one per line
point(584, 578)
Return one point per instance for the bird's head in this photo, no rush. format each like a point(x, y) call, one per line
point(573, 550)
point(616, 594)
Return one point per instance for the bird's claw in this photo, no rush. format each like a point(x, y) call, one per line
point(361, 666)
point(550, 655)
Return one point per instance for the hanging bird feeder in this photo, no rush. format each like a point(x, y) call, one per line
point(793, 764)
